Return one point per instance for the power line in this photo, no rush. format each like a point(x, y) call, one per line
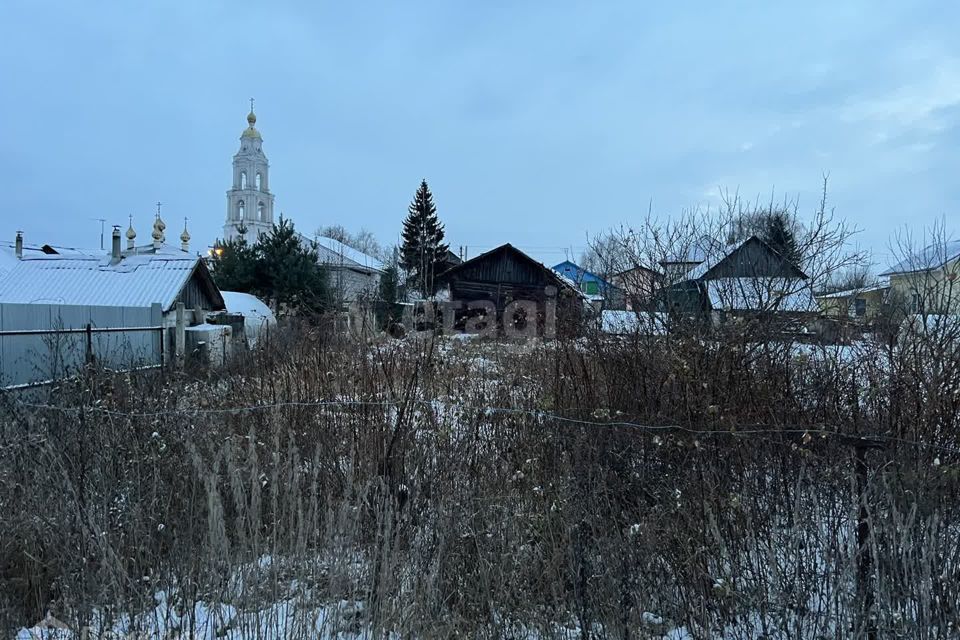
point(752, 429)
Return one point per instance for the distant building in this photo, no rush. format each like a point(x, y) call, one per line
point(929, 281)
point(521, 292)
point(638, 284)
point(352, 275)
point(861, 305)
point(249, 200)
point(749, 279)
point(139, 276)
point(250, 203)
point(601, 292)
point(686, 256)
point(450, 260)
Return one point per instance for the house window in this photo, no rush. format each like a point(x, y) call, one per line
point(260, 212)
point(860, 307)
point(240, 210)
point(589, 287)
point(243, 179)
point(259, 182)
point(915, 303)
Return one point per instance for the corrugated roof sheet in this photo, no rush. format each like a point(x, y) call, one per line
point(136, 281)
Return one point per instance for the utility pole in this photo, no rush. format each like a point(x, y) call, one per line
point(101, 221)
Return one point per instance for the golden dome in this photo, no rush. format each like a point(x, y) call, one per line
point(251, 118)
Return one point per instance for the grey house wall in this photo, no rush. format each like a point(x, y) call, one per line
point(348, 284)
point(30, 359)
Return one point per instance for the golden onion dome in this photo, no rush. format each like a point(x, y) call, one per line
point(131, 234)
point(251, 130)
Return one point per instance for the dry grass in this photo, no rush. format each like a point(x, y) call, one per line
point(377, 479)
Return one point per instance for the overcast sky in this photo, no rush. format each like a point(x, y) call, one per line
point(534, 123)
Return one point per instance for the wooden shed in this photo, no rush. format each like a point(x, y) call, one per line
point(515, 286)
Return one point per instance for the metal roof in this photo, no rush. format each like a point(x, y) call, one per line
point(136, 281)
point(334, 253)
point(932, 257)
point(846, 293)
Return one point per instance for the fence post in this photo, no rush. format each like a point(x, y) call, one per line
point(89, 352)
point(864, 554)
point(180, 337)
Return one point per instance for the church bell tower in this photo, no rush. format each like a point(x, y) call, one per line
point(249, 202)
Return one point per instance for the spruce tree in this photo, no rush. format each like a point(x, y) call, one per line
point(423, 250)
point(778, 233)
point(288, 271)
point(234, 265)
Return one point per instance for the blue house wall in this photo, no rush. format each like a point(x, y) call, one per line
point(589, 283)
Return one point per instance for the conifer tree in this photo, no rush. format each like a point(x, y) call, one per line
point(288, 271)
point(778, 233)
point(423, 250)
point(280, 268)
point(234, 265)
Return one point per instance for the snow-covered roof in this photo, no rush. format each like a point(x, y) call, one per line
point(135, 281)
point(932, 257)
point(335, 253)
point(761, 294)
point(852, 292)
point(9, 259)
point(257, 316)
point(566, 281)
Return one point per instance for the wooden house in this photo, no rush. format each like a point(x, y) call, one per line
point(525, 296)
point(638, 284)
point(601, 292)
point(748, 279)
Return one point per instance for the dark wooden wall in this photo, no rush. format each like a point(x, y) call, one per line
point(503, 277)
point(194, 295)
point(754, 259)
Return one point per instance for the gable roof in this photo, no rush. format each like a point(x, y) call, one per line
point(520, 255)
point(334, 253)
point(579, 272)
point(933, 256)
point(135, 281)
point(710, 267)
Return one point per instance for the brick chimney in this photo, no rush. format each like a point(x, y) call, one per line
point(19, 245)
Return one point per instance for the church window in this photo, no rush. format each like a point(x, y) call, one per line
point(259, 181)
point(240, 211)
point(243, 179)
point(261, 211)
